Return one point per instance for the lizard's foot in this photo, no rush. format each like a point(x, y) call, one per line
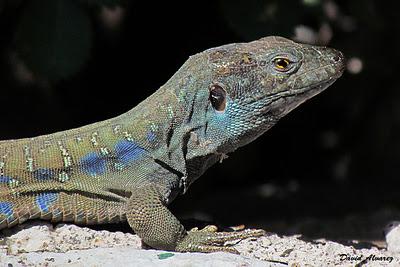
point(209, 240)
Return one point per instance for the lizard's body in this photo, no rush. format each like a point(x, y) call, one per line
point(132, 166)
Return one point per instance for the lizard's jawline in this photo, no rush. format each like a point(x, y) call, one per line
point(301, 95)
point(313, 89)
point(297, 97)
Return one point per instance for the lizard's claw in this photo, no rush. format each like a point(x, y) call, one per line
point(208, 240)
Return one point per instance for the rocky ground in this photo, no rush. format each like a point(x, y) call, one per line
point(42, 244)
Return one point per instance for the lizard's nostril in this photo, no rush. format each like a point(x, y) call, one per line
point(336, 58)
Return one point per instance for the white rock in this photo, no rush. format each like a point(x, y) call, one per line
point(392, 235)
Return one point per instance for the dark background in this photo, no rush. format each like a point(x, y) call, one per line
point(328, 169)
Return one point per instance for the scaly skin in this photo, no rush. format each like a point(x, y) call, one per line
point(132, 166)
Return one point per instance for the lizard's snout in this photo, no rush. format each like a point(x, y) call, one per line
point(336, 59)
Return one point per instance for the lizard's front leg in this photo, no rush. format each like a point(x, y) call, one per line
point(159, 228)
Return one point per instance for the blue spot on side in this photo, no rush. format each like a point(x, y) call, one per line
point(128, 151)
point(5, 179)
point(43, 174)
point(6, 208)
point(151, 137)
point(94, 164)
point(45, 200)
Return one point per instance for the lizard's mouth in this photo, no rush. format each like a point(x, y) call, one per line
point(314, 89)
point(311, 90)
point(278, 105)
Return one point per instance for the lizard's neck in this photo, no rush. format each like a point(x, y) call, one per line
point(172, 116)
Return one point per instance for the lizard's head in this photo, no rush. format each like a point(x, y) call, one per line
point(246, 88)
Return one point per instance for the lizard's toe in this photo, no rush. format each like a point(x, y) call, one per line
point(207, 240)
point(207, 229)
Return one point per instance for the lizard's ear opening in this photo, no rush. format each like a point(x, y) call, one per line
point(217, 97)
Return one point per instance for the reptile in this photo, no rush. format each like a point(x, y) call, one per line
point(130, 167)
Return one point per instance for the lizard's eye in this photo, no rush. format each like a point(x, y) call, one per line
point(217, 97)
point(282, 64)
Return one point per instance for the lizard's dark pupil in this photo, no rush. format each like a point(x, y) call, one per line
point(281, 63)
point(217, 97)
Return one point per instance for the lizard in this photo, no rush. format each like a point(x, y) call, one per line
point(131, 167)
